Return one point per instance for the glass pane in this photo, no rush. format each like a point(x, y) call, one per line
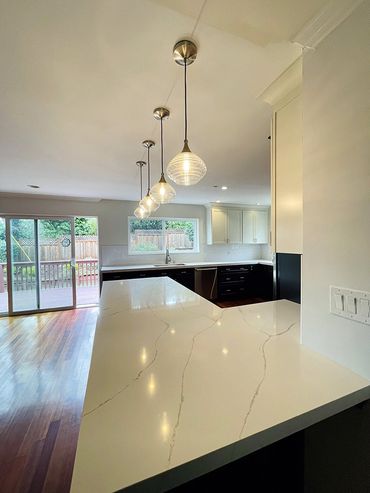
point(23, 273)
point(3, 278)
point(180, 235)
point(146, 236)
point(87, 260)
point(55, 252)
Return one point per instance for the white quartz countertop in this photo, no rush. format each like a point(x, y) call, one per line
point(159, 265)
point(178, 386)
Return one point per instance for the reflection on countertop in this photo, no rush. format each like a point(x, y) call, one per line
point(173, 377)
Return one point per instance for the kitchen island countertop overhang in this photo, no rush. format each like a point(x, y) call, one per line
point(178, 386)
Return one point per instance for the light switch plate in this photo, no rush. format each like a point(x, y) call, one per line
point(354, 304)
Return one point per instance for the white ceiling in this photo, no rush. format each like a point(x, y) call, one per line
point(80, 79)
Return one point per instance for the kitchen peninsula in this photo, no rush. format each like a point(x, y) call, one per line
point(179, 387)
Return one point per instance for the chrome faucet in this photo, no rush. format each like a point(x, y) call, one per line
point(168, 259)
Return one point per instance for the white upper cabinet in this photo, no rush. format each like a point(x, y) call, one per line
point(255, 226)
point(286, 160)
point(218, 226)
point(236, 226)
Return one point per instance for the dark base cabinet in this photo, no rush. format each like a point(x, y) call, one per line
point(182, 276)
point(233, 282)
point(245, 281)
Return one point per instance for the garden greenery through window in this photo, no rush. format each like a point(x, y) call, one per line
point(154, 235)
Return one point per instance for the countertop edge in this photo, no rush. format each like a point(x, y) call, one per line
point(183, 473)
point(131, 268)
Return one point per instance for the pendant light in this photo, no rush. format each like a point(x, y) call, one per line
point(148, 203)
point(186, 168)
point(140, 212)
point(162, 192)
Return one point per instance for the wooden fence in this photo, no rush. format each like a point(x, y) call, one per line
point(151, 239)
point(52, 249)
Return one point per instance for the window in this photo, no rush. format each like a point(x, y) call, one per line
point(154, 235)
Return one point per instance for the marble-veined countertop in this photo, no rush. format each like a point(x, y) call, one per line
point(159, 265)
point(178, 386)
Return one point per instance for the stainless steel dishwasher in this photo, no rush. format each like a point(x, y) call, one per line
point(206, 282)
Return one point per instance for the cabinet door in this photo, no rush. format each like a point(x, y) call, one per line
point(255, 227)
point(287, 178)
point(219, 225)
point(248, 227)
point(235, 225)
point(261, 226)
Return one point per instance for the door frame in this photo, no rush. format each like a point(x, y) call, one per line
point(37, 217)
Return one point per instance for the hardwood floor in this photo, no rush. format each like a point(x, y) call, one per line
point(44, 364)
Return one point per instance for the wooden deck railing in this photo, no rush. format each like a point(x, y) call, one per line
point(53, 274)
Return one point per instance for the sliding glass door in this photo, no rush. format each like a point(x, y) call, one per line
point(41, 264)
point(3, 268)
point(23, 269)
point(55, 263)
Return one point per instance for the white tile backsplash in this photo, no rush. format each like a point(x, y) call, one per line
point(266, 252)
point(118, 255)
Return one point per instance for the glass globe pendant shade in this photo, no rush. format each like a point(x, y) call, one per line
point(162, 192)
point(186, 168)
point(148, 203)
point(140, 212)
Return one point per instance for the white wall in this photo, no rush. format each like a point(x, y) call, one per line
point(113, 227)
point(336, 188)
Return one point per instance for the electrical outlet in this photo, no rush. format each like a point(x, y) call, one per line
point(350, 303)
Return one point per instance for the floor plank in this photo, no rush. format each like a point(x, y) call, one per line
point(44, 364)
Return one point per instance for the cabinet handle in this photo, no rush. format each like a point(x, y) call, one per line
point(228, 290)
point(242, 277)
point(141, 275)
point(228, 279)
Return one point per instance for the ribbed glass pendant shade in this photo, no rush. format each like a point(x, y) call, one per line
point(186, 168)
point(162, 192)
point(141, 213)
point(148, 203)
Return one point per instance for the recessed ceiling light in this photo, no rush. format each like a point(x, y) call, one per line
point(223, 187)
point(33, 186)
point(218, 201)
point(258, 203)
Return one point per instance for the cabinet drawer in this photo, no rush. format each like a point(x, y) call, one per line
point(236, 268)
point(115, 276)
point(232, 290)
point(233, 276)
